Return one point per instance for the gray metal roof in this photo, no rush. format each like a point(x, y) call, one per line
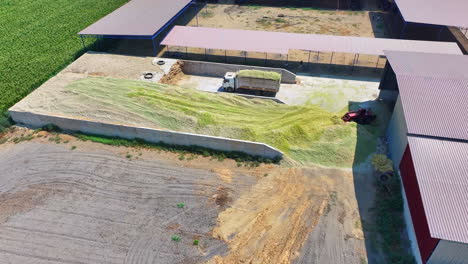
point(137, 18)
point(282, 42)
point(442, 172)
point(434, 92)
point(436, 12)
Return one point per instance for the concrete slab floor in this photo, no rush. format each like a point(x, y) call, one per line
point(329, 93)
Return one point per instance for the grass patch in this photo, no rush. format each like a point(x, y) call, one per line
point(5, 122)
point(280, 20)
point(22, 138)
point(308, 133)
point(206, 13)
point(264, 22)
point(254, 7)
point(389, 222)
point(139, 143)
point(39, 38)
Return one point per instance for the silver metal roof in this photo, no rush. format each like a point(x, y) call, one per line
point(434, 92)
point(282, 42)
point(442, 172)
point(137, 18)
point(436, 12)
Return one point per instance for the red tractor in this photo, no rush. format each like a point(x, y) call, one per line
point(361, 116)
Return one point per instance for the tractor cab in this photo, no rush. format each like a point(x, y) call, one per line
point(229, 81)
point(361, 116)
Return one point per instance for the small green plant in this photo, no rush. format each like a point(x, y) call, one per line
point(206, 13)
point(175, 238)
point(363, 260)
point(73, 147)
point(221, 157)
point(254, 7)
point(5, 122)
point(266, 174)
point(382, 163)
point(280, 20)
point(128, 156)
point(22, 138)
point(51, 128)
point(181, 156)
point(196, 242)
point(180, 205)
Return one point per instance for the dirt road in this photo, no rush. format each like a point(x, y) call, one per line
point(93, 203)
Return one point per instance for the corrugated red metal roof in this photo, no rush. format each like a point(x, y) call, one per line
point(436, 12)
point(137, 18)
point(442, 172)
point(434, 92)
point(281, 42)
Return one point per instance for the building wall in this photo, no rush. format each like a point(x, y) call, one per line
point(388, 85)
point(426, 243)
point(449, 252)
point(410, 228)
point(148, 134)
point(397, 134)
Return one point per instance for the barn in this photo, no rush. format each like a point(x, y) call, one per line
point(137, 20)
point(428, 143)
point(432, 20)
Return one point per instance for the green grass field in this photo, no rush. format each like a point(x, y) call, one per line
point(38, 38)
point(307, 134)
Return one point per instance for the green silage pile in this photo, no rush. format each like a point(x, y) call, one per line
point(307, 134)
point(267, 75)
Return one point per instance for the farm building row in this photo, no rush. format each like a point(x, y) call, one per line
point(428, 142)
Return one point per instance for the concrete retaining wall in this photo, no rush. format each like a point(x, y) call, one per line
point(147, 134)
point(213, 69)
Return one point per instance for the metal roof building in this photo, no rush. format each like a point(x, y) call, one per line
point(436, 12)
point(282, 43)
point(432, 20)
point(428, 142)
point(138, 19)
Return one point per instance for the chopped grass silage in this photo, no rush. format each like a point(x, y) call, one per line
point(38, 38)
point(267, 75)
point(307, 134)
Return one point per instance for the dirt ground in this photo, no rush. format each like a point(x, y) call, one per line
point(293, 20)
point(69, 201)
